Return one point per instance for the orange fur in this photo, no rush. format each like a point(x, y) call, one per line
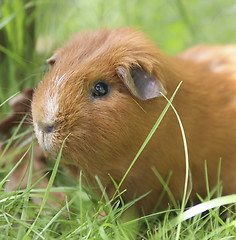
point(106, 133)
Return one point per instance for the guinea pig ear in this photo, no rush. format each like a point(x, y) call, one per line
point(51, 60)
point(141, 84)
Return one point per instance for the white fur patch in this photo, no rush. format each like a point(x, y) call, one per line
point(51, 107)
point(60, 82)
point(52, 99)
point(52, 96)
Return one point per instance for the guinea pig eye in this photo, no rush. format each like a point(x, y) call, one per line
point(100, 89)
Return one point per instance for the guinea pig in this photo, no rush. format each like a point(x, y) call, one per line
point(105, 91)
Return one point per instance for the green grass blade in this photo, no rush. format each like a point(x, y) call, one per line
point(21, 231)
point(12, 96)
point(54, 218)
point(47, 192)
point(184, 198)
point(13, 169)
point(166, 188)
point(12, 137)
point(14, 56)
point(26, 225)
point(149, 135)
point(7, 20)
point(202, 207)
point(80, 201)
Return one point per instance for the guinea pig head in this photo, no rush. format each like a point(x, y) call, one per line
point(97, 92)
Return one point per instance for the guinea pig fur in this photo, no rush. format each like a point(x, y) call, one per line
point(103, 90)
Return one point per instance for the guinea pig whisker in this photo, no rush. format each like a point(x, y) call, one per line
point(139, 105)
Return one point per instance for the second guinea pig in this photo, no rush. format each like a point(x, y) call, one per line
point(105, 90)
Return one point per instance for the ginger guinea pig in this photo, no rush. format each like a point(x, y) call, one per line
point(104, 91)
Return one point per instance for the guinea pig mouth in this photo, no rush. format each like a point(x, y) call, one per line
point(46, 147)
point(44, 135)
point(45, 143)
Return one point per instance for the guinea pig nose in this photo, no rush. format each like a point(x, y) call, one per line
point(47, 128)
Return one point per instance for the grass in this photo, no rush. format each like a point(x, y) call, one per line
point(29, 31)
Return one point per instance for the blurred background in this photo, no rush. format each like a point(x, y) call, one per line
point(31, 30)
